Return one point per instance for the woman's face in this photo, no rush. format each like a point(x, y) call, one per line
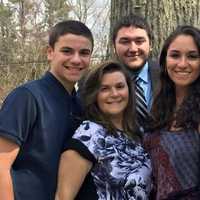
point(183, 62)
point(113, 95)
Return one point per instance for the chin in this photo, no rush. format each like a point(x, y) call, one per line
point(135, 67)
point(137, 64)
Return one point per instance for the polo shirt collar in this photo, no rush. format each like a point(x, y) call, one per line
point(59, 87)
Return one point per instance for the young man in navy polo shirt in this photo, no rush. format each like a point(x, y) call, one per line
point(38, 118)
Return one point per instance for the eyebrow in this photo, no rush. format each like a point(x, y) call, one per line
point(132, 38)
point(63, 48)
point(70, 48)
point(120, 82)
point(190, 51)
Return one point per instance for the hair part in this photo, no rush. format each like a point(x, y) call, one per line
point(69, 27)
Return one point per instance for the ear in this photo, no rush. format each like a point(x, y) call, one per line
point(113, 48)
point(50, 53)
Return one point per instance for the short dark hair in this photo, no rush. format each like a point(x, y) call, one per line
point(131, 20)
point(164, 104)
point(90, 92)
point(69, 26)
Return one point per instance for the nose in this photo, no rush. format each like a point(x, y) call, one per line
point(114, 92)
point(76, 59)
point(182, 61)
point(133, 46)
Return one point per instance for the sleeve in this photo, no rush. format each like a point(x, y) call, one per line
point(88, 141)
point(17, 115)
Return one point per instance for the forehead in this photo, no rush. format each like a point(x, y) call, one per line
point(183, 43)
point(113, 77)
point(74, 41)
point(131, 32)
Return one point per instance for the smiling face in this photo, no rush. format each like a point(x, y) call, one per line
point(113, 95)
point(132, 47)
point(183, 62)
point(69, 58)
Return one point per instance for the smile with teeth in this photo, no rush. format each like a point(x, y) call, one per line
point(133, 56)
point(182, 72)
point(73, 68)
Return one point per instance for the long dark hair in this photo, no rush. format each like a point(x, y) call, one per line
point(89, 98)
point(163, 109)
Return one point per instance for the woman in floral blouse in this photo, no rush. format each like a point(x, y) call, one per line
point(104, 160)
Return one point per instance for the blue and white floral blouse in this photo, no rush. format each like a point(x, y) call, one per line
point(121, 170)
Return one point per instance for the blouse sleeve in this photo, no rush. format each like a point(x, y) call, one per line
point(88, 140)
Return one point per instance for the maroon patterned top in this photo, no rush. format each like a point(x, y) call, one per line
point(176, 164)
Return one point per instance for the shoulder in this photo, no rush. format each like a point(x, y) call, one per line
point(20, 94)
point(154, 74)
point(89, 129)
point(153, 63)
point(23, 91)
point(91, 136)
point(40, 88)
point(33, 86)
point(154, 68)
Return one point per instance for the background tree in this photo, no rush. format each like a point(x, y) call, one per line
point(163, 16)
point(96, 16)
point(6, 33)
point(24, 26)
point(55, 11)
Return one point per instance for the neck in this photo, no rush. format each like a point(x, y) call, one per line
point(180, 95)
point(134, 72)
point(117, 122)
point(69, 86)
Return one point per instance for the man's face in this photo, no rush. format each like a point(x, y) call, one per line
point(132, 46)
point(69, 58)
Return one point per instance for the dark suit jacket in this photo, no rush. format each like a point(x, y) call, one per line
point(154, 71)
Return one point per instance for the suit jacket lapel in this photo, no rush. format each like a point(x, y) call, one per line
point(154, 70)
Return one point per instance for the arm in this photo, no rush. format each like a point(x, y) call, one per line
point(8, 153)
point(72, 172)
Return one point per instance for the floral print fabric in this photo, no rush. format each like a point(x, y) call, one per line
point(123, 168)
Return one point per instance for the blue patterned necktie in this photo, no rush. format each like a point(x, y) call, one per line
point(141, 105)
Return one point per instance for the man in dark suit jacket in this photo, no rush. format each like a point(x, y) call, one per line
point(132, 44)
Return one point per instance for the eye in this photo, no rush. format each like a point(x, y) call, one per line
point(85, 52)
point(120, 86)
point(174, 55)
point(66, 50)
point(124, 41)
point(139, 41)
point(193, 56)
point(103, 89)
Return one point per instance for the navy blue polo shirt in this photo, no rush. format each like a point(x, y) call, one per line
point(40, 117)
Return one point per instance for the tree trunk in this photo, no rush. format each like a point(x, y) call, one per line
point(163, 16)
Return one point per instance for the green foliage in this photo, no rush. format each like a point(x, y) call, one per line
point(23, 39)
point(24, 26)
